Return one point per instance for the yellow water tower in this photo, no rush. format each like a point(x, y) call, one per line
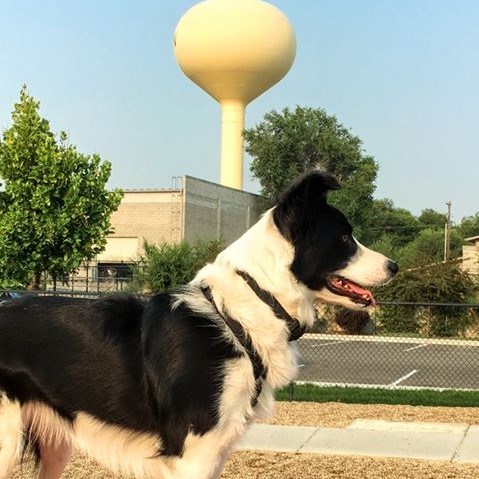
point(234, 50)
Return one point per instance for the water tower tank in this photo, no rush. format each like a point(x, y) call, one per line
point(234, 50)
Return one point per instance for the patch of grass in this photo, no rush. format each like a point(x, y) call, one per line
point(353, 395)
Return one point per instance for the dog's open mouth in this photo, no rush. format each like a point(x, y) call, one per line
point(345, 287)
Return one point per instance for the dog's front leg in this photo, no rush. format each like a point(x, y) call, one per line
point(204, 460)
point(53, 459)
point(216, 474)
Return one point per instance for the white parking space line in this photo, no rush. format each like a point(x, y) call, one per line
point(330, 343)
point(416, 347)
point(400, 380)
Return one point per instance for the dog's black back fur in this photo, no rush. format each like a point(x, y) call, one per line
point(60, 357)
point(185, 354)
point(162, 370)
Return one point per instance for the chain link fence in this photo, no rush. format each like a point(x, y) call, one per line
point(412, 346)
point(398, 346)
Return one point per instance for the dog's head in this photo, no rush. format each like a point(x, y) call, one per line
point(327, 257)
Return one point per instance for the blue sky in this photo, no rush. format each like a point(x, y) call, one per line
point(403, 75)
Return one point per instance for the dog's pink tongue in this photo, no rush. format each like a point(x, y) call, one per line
point(365, 293)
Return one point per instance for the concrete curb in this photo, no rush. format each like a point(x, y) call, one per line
point(427, 441)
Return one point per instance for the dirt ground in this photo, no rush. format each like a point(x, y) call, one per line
point(256, 465)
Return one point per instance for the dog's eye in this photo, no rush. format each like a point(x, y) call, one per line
point(345, 238)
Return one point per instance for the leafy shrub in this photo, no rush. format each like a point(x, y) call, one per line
point(7, 284)
point(169, 265)
point(398, 319)
point(427, 248)
point(436, 283)
point(352, 321)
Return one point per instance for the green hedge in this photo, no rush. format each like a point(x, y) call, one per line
point(167, 265)
point(436, 283)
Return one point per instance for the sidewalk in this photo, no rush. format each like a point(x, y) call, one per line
point(431, 441)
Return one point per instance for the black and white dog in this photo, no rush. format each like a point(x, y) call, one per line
point(164, 389)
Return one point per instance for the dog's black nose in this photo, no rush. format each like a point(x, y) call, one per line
point(393, 267)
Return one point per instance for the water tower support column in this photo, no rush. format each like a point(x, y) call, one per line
point(232, 126)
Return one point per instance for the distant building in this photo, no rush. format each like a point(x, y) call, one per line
point(470, 255)
point(194, 209)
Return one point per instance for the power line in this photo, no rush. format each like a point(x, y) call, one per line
point(399, 227)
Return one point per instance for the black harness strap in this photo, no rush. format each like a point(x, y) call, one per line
point(296, 330)
point(259, 369)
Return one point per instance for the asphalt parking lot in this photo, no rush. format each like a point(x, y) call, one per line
point(389, 362)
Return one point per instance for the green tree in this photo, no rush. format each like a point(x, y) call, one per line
point(469, 226)
point(54, 208)
point(399, 224)
point(286, 144)
point(432, 219)
point(385, 245)
point(428, 247)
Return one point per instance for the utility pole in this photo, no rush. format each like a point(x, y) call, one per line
point(447, 233)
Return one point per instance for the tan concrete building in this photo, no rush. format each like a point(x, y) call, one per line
point(194, 209)
point(470, 255)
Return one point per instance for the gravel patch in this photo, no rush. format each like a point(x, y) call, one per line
point(256, 465)
point(341, 415)
point(253, 465)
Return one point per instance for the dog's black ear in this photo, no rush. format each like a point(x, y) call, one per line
point(302, 200)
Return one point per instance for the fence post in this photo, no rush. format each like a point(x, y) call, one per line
point(291, 392)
